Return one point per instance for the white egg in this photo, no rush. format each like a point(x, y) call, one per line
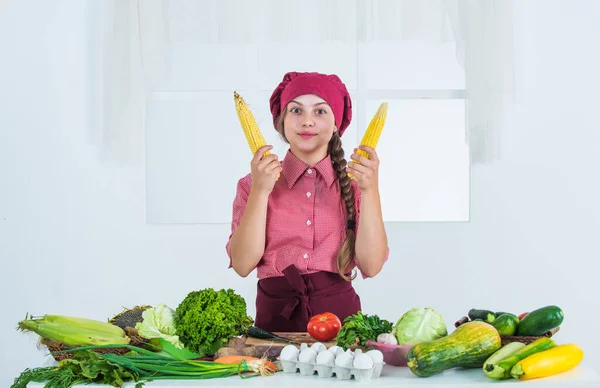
point(357, 352)
point(333, 349)
point(303, 346)
point(363, 361)
point(318, 347)
point(350, 352)
point(308, 356)
point(325, 358)
point(376, 355)
point(344, 360)
point(339, 351)
point(289, 353)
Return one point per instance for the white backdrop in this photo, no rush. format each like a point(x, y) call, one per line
point(73, 232)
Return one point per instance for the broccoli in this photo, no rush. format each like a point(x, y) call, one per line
point(205, 320)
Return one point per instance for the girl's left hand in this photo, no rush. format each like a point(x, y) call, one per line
point(366, 171)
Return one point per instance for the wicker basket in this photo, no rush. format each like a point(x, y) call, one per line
point(514, 338)
point(55, 346)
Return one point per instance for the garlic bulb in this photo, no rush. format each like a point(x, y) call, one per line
point(387, 338)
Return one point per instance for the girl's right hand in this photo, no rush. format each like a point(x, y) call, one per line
point(265, 170)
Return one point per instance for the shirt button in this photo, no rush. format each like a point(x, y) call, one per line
point(308, 222)
point(309, 171)
point(308, 194)
point(306, 255)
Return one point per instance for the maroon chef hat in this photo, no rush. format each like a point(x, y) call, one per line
point(327, 86)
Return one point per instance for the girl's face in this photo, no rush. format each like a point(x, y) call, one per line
point(308, 126)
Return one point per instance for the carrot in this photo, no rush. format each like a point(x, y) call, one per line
point(254, 362)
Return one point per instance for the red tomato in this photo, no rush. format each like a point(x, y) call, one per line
point(324, 327)
point(523, 315)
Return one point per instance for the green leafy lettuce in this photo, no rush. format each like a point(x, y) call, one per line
point(206, 319)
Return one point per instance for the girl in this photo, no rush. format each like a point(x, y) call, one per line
point(301, 231)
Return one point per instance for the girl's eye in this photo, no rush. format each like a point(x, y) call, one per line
point(321, 111)
point(295, 110)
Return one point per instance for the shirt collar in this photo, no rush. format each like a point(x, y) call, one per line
point(293, 168)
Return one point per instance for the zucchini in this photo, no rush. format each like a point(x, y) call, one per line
point(502, 368)
point(507, 350)
point(506, 324)
point(466, 347)
point(540, 321)
point(485, 315)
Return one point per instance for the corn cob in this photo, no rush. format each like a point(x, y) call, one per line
point(71, 335)
point(253, 135)
point(371, 136)
point(84, 323)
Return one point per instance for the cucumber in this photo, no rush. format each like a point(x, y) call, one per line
point(540, 321)
point(506, 324)
point(502, 368)
point(485, 315)
point(507, 350)
point(498, 313)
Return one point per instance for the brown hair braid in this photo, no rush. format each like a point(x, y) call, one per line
point(336, 152)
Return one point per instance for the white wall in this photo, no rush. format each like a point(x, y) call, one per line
point(73, 238)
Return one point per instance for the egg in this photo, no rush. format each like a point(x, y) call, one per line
point(318, 347)
point(363, 361)
point(376, 355)
point(350, 353)
point(308, 356)
point(289, 353)
point(334, 349)
point(325, 358)
point(303, 346)
point(344, 360)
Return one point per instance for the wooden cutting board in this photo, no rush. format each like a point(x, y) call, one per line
point(298, 337)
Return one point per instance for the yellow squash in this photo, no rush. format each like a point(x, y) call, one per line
point(548, 362)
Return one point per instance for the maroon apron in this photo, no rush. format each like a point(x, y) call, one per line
point(286, 303)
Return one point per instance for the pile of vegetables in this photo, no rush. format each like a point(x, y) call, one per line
point(534, 323)
point(203, 322)
point(478, 344)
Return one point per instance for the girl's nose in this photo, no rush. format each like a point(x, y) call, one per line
point(307, 121)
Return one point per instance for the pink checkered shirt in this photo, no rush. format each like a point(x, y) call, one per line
point(306, 218)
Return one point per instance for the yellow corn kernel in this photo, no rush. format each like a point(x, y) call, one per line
point(371, 136)
point(251, 131)
point(548, 362)
point(253, 135)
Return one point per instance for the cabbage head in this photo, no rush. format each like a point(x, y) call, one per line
point(419, 325)
point(158, 322)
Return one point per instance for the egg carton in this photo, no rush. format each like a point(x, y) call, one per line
point(342, 373)
point(307, 368)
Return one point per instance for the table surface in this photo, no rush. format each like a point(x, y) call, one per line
point(581, 376)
